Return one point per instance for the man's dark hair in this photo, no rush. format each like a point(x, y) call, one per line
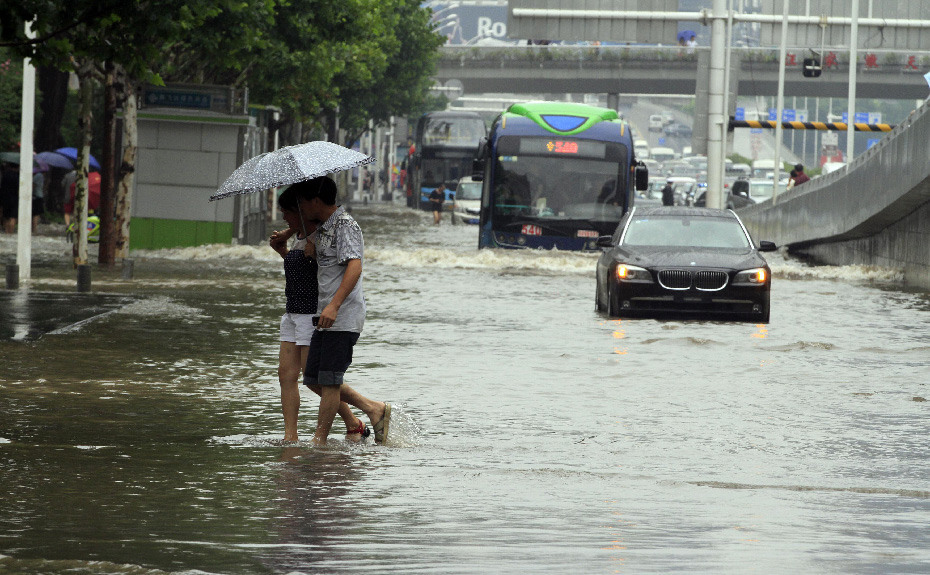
point(799, 167)
point(322, 187)
point(287, 201)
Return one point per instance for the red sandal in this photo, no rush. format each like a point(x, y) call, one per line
point(362, 430)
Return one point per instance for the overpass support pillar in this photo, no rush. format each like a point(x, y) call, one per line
point(716, 127)
point(613, 101)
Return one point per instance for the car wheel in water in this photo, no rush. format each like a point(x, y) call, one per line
point(613, 306)
point(765, 315)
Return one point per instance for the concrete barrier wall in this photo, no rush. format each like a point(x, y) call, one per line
point(876, 211)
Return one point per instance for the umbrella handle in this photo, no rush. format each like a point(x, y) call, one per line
point(302, 224)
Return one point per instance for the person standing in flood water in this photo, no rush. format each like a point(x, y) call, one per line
point(339, 248)
point(297, 324)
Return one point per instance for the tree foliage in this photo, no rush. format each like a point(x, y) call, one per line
point(11, 86)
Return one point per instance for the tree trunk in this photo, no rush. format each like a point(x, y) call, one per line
point(107, 229)
point(85, 75)
point(53, 85)
point(127, 170)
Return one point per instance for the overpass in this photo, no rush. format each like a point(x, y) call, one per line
point(563, 69)
point(876, 211)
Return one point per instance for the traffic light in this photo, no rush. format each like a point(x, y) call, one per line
point(812, 68)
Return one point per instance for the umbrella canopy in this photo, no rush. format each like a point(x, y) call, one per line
point(55, 160)
point(72, 154)
point(290, 165)
point(38, 165)
point(93, 192)
point(686, 35)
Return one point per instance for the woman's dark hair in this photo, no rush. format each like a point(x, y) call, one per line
point(287, 201)
point(322, 187)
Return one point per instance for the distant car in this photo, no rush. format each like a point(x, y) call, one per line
point(656, 123)
point(737, 196)
point(652, 196)
point(466, 203)
point(761, 190)
point(679, 130)
point(683, 262)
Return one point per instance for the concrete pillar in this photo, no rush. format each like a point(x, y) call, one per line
point(83, 277)
point(12, 276)
point(613, 101)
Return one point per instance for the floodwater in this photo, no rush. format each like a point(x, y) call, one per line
point(531, 433)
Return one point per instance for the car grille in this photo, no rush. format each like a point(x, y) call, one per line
point(703, 280)
point(710, 280)
point(675, 279)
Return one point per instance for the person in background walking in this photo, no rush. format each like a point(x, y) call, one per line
point(436, 198)
point(297, 324)
point(668, 194)
point(801, 177)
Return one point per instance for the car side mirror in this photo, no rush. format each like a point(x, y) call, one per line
point(477, 169)
point(765, 246)
point(642, 177)
point(605, 242)
point(480, 161)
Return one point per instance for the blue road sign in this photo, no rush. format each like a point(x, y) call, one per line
point(661, 141)
point(740, 115)
point(787, 114)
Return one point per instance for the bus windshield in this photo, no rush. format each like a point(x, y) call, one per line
point(559, 180)
point(453, 131)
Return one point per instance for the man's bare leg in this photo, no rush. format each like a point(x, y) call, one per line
point(329, 405)
point(373, 409)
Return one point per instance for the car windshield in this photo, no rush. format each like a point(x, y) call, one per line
point(468, 191)
point(685, 231)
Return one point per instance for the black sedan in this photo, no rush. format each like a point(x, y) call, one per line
point(680, 130)
point(683, 262)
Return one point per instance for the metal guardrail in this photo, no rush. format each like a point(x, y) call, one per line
point(829, 126)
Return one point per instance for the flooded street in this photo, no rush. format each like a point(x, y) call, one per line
point(532, 434)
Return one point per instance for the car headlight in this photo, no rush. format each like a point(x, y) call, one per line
point(755, 276)
point(628, 273)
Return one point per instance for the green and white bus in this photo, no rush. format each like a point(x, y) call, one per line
point(555, 175)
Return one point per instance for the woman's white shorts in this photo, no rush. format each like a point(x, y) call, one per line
point(297, 327)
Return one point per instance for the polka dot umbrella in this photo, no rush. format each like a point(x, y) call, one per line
point(290, 165)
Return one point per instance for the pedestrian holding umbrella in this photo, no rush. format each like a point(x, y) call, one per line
point(339, 279)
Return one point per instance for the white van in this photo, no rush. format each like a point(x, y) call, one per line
point(641, 149)
point(656, 123)
point(662, 154)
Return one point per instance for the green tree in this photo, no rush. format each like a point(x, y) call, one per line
point(11, 87)
point(401, 85)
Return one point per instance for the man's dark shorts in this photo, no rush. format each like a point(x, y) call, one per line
point(329, 357)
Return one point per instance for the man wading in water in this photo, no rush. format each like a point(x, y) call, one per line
point(339, 246)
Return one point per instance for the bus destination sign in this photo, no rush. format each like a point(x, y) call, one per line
point(547, 147)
